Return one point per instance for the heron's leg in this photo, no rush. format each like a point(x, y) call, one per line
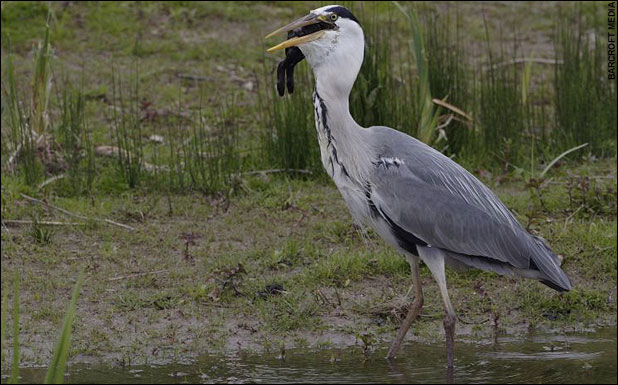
point(434, 259)
point(413, 310)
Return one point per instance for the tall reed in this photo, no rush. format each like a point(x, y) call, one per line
point(42, 82)
point(450, 77)
point(210, 154)
point(127, 126)
point(377, 81)
point(501, 113)
point(74, 138)
point(288, 137)
point(584, 99)
point(20, 140)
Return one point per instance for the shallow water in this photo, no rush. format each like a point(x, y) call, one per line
point(569, 358)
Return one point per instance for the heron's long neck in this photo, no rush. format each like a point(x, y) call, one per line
point(345, 150)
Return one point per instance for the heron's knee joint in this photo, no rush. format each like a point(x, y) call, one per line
point(418, 302)
point(449, 321)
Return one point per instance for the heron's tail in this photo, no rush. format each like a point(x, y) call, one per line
point(548, 264)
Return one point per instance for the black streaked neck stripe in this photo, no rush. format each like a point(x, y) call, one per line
point(323, 117)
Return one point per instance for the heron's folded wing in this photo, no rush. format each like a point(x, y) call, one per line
point(439, 202)
point(439, 218)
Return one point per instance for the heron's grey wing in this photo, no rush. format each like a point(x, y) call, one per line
point(435, 200)
point(440, 219)
point(435, 169)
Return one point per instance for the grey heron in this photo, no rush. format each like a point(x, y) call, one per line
point(415, 198)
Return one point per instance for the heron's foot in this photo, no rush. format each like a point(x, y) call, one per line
point(449, 331)
point(414, 310)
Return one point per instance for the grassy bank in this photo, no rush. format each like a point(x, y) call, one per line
point(156, 129)
point(283, 262)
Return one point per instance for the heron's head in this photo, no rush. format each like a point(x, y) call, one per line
point(332, 40)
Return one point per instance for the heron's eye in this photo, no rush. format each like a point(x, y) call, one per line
point(333, 17)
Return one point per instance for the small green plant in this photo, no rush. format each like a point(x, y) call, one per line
point(55, 372)
point(41, 233)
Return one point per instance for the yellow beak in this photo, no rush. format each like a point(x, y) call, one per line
point(303, 21)
point(297, 41)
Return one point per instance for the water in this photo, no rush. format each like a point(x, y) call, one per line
point(571, 358)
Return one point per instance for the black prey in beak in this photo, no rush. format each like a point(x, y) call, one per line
point(293, 56)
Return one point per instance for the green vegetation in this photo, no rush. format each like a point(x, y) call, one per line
point(585, 108)
point(145, 144)
point(15, 365)
point(494, 113)
point(55, 372)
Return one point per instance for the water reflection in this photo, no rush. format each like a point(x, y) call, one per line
point(581, 358)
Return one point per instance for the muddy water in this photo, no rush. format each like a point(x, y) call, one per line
point(570, 358)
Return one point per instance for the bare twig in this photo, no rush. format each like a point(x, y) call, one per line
point(115, 152)
point(556, 159)
point(46, 223)
point(441, 127)
point(6, 228)
point(448, 121)
point(13, 158)
point(276, 170)
point(598, 177)
point(193, 77)
point(443, 103)
point(520, 60)
point(566, 221)
point(137, 275)
point(51, 180)
point(75, 215)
